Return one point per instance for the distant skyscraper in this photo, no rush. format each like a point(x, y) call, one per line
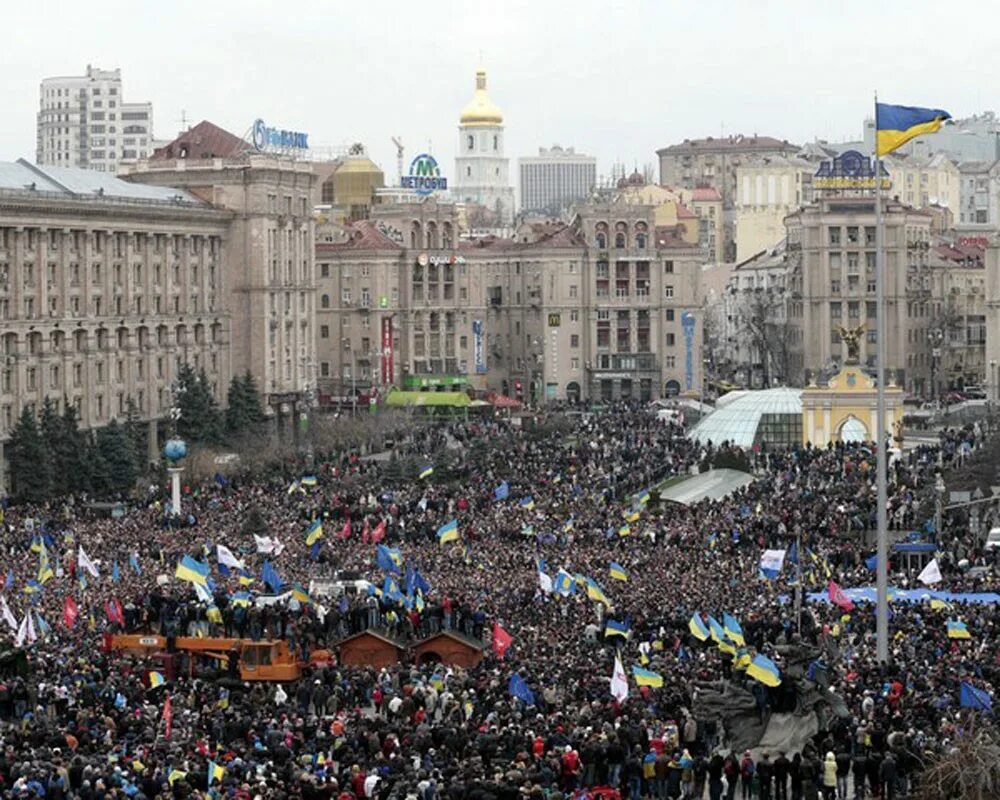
point(482, 172)
point(556, 178)
point(84, 122)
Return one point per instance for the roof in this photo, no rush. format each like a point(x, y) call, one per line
point(666, 237)
point(84, 184)
point(468, 641)
point(397, 398)
point(737, 421)
point(712, 485)
point(481, 110)
point(736, 143)
point(382, 636)
point(361, 235)
point(705, 193)
point(204, 140)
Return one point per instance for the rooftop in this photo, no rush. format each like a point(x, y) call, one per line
point(71, 183)
point(204, 140)
point(738, 415)
point(737, 143)
point(705, 194)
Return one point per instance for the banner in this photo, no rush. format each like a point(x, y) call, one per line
point(688, 324)
point(479, 352)
point(388, 368)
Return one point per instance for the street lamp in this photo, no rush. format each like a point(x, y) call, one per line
point(936, 337)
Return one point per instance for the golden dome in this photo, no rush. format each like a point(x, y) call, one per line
point(481, 111)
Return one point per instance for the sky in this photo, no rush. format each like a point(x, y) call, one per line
point(614, 79)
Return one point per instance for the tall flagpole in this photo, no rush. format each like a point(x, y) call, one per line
point(882, 463)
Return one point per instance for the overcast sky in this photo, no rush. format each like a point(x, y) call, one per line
point(613, 79)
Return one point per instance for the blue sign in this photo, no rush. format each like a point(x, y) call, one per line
point(849, 170)
point(479, 352)
point(688, 324)
point(265, 138)
point(425, 176)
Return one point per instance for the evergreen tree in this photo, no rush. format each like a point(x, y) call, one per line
point(29, 460)
point(99, 470)
point(200, 419)
point(51, 430)
point(113, 445)
point(243, 409)
point(251, 397)
point(73, 451)
point(135, 433)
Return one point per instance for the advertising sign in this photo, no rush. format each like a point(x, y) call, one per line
point(478, 351)
point(265, 138)
point(849, 170)
point(687, 324)
point(388, 368)
point(425, 176)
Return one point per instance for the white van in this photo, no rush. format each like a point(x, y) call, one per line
point(992, 540)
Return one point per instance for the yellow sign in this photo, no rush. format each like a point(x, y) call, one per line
point(555, 320)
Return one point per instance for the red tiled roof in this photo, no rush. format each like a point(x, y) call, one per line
point(362, 235)
point(204, 140)
point(705, 193)
point(683, 212)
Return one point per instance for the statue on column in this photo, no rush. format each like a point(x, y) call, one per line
point(852, 338)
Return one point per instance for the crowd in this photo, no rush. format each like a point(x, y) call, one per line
point(84, 722)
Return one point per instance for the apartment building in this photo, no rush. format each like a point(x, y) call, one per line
point(555, 179)
point(83, 121)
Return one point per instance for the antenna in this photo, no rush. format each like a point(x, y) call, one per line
point(184, 125)
point(398, 141)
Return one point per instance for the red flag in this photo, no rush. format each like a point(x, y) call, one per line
point(114, 612)
point(70, 612)
point(838, 598)
point(364, 533)
point(379, 533)
point(345, 532)
point(168, 716)
point(501, 640)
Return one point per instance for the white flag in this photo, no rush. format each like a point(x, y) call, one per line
point(203, 594)
point(545, 582)
point(771, 563)
point(619, 683)
point(265, 544)
point(8, 615)
point(227, 558)
point(25, 632)
point(86, 563)
point(31, 629)
point(930, 574)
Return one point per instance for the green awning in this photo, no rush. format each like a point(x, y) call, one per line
point(400, 399)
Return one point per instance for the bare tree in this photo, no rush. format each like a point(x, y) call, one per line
point(763, 324)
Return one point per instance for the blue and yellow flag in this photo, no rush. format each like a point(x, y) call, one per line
point(315, 532)
point(614, 628)
point(645, 677)
point(733, 629)
point(155, 679)
point(308, 480)
point(618, 572)
point(624, 530)
point(595, 592)
point(896, 125)
point(642, 497)
point(957, 630)
point(188, 569)
point(448, 532)
point(300, 594)
point(763, 669)
point(216, 772)
point(698, 628)
point(527, 503)
point(716, 631)
point(564, 584)
point(427, 471)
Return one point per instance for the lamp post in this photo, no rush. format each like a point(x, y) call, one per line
point(936, 336)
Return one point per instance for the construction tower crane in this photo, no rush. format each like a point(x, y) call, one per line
point(396, 140)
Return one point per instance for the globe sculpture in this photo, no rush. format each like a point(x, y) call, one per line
point(175, 449)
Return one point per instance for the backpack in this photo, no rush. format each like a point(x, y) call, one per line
point(747, 768)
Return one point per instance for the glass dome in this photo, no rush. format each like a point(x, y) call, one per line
point(770, 415)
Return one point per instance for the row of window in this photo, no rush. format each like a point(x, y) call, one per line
point(115, 242)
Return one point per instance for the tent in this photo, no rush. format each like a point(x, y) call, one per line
point(401, 399)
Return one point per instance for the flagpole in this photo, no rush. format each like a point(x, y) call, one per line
point(882, 462)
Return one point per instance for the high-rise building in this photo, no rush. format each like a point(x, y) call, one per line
point(83, 121)
point(555, 179)
point(482, 175)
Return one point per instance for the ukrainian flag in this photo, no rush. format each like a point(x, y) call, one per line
point(528, 503)
point(595, 592)
point(642, 498)
point(215, 772)
point(308, 480)
point(733, 629)
point(618, 572)
point(565, 584)
point(630, 516)
point(645, 677)
point(568, 525)
point(896, 125)
point(315, 532)
point(448, 532)
point(155, 679)
point(716, 630)
point(175, 775)
point(427, 471)
point(727, 646)
point(212, 614)
point(624, 530)
point(763, 669)
point(240, 599)
point(741, 660)
point(937, 605)
point(190, 570)
point(697, 627)
point(957, 630)
point(613, 628)
point(32, 587)
point(300, 594)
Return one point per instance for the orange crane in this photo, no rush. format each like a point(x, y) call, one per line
point(264, 660)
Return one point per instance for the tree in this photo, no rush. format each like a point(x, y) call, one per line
point(135, 434)
point(72, 451)
point(243, 411)
point(51, 430)
point(968, 769)
point(113, 445)
point(200, 420)
point(763, 325)
point(29, 460)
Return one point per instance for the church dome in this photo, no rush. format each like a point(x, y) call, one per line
point(481, 110)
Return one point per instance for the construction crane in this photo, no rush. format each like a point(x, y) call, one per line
point(399, 159)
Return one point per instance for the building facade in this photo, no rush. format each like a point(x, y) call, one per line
point(482, 172)
point(555, 179)
point(106, 288)
point(269, 269)
point(84, 122)
point(831, 257)
point(768, 189)
point(607, 307)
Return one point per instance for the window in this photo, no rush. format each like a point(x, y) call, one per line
point(574, 315)
point(324, 331)
point(470, 143)
point(345, 297)
point(670, 315)
point(324, 369)
point(572, 290)
point(324, 301)
point(324, 270)
point(574, 340)
point(668, 291)
point(668, 267)
point(671, 340)
point(835, 236)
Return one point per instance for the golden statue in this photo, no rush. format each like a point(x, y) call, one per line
point(852, 338)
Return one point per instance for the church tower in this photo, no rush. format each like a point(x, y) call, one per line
point(481, 170)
